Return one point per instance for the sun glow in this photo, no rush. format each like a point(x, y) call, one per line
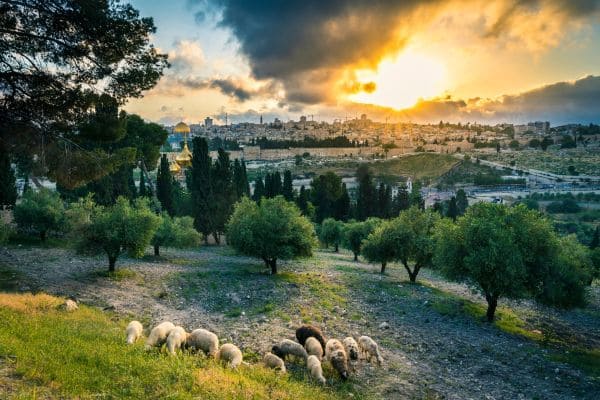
point(402, 81)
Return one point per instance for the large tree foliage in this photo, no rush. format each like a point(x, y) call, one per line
point(122, 227)
point(65, 68)
point(511, 252)
point(223, 194)
point(326, 191)
point(175, 232)
point(366, 201)
point(40, 211)
point(271, 230)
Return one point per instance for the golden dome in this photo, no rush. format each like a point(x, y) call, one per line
point(174, 168)
point(181, 127)
point(184, 159)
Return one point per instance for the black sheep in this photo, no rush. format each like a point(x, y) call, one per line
point(306, 331)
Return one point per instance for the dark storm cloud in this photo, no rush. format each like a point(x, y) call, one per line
point(233, 88)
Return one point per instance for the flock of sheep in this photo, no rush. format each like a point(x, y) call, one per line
point(311, 347)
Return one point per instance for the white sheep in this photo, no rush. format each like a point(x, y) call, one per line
point(289, 348)
point(158, 335)
point(314, 367)
point(313, 348)
point(177, 339)
point(272, 361)
point(230, 354)
point(70, 305)
point(202, 339)
point(336, 355)
point(369, 349)
point(134, 331)
point(351, 347)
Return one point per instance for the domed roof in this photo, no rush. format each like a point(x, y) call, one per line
point(181, 127)
point(175, 168)
point(184, 159)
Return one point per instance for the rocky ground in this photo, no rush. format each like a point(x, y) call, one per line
point(432, 347)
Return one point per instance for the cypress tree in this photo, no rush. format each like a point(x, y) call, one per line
point(342, 205)
point(367, 197)
point(288, 188)
point(259, 190)
point(8, 187)
point(269, 186)
point(164, 186)
point(415, 197)
point(302, 200)
point(461, 201)
point(223, 195)
point(200, 187)
point(452, 209)
point(277, 186)
point(245, 179)
point(142, 191)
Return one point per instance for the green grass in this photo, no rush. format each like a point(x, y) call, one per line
point(587, 360)
point(83, 355)
point(425, 166)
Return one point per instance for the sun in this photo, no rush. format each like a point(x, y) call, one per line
point(403, 80)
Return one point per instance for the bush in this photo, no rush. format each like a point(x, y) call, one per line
point(175, 232)
point(40, 211)
point(567, 206)
point(271, 230)
point(5, 231)
point(511, 252)
point(118, 228)
point(331, 233)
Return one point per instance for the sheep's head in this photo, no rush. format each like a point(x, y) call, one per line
point(277, 351)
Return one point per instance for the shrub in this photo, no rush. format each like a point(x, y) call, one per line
point(331, 233)
point(40, 211)
point(567, 206)
point(175, 232)
point(271, 230)
point(511, 252)
point(5, 231)
point(118, 228)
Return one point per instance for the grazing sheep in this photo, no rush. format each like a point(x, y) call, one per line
point(176, 339)
point(337, 357)
point(314, 367)
point(158, 334)
point(289, 348)
point(272, 361)
point(70, 305)
point(306, 331)
point(314, 348)
point(351, 348)
point(230, 354)
point(134, 331)
point(201, 339)
point(369, 349)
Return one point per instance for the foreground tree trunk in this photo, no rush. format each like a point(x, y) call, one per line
point(355, 256)
point(412, 275)
point(156, 250)
point(112, 260)
point(271, 263)
point(492, 301)
point(43, 236)
point(217, 238)
point(383, 264)
point(337, 247)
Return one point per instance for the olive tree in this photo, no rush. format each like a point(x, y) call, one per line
point(40, 211)
point(271, 230)
point(407, 238)
point(175, 232)
point(331, 233)
point(510, 252)
point(122, 227)
point(356, 232)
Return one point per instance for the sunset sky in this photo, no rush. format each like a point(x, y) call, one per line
point(419, 61)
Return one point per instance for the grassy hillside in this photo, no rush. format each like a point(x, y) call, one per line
point(83, 355)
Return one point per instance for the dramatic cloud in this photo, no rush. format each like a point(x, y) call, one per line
point(231, 87)
point(312, 46)
point(559, 103)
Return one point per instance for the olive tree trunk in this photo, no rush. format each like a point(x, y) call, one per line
point(492, 301)
point(383, 265)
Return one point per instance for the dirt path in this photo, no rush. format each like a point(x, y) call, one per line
point(428, 354)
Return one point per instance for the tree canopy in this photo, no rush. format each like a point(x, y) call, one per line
point(40, 211)
point(65, 68)
point(271, 230)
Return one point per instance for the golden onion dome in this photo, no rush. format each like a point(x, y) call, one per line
point(174, 168)
point(181, 127)
point(184, 159)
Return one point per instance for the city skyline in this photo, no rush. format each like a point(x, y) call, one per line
point(466, 61)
